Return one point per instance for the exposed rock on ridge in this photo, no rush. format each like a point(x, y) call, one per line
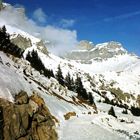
point(85, 45)
point(24, 43)
point(99, 52)
point(19, 40)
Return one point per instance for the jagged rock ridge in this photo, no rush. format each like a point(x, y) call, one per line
point(25, 42)
point(98, 52)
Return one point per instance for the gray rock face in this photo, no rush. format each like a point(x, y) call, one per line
point(85, 45)
point(42, 47)
point(24, 43)
point(99, 52)
point(21, 42)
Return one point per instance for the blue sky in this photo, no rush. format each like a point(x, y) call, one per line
point(94, 20)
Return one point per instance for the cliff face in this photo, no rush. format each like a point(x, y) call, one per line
point(25, 42)
point(26, 119)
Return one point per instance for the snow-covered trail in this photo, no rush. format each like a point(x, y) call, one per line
point(81, 128)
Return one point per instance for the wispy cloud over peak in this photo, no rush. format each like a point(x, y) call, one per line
point(63, 40)
point(65, 23)
point(123, 16)
point(39, 15)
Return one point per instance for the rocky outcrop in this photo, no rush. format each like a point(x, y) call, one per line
point(85, 45)
point(21, 41)
point(25, 42)
point(26, 119)
point(42, 47)
point(68, 115)
point(1, 123)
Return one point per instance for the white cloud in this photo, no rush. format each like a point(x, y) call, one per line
point(62, 39)
point(39, 15)
point(123, 16)
point(65, 40)
point(67, 23)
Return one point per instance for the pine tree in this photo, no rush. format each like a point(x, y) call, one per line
point(48, 73)
point(3, 37)
point(78, 85)
point(51, 73)
point(112, 112)
point(80, 89)
point(72, 85)
point(68, 81)
point(91, 100)
point(35, 61)
point(59, 76)
point(3, 29)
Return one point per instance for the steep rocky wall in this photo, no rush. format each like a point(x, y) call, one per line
point(25, 43)
point(22, 42)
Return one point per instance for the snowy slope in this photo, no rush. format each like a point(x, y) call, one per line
point(121, 70)
point(17, 75)
point(90, 124)
point(110, 63)
point(10, 81)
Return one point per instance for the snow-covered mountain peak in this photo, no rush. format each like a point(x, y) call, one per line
point(111, 46)
point(98, 52)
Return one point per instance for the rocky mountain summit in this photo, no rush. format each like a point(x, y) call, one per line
point(88, 52)
point(85, 45)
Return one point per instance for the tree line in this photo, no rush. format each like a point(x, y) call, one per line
point(36, 63)
point(74, 85)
